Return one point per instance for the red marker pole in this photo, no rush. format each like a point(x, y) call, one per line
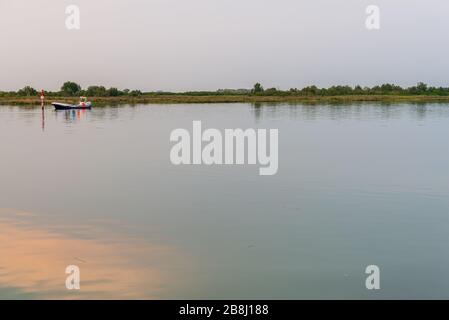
point(42, 98)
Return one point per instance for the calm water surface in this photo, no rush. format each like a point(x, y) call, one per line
point(357, 185)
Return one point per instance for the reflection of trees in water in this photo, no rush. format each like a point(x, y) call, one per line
point(421, 111)
point(270, 108)
point(113, 112)
point(257, 109)
point(307, 111)
point(353, 110)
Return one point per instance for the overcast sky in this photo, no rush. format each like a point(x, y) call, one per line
point(210, 44)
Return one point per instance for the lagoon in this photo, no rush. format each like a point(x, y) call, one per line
point(357, 185)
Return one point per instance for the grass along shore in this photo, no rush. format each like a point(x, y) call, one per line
point(186, 99)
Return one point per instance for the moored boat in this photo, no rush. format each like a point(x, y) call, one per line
point(84, 104)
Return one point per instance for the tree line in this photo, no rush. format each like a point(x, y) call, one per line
point(72, 89)
point(384, 89)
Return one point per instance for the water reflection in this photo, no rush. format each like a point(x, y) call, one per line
point(73, 116)
point(43, 119)
point(344, 111)
point(33, 259)
point(260, 111)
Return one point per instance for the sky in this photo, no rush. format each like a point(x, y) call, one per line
point(179, 45)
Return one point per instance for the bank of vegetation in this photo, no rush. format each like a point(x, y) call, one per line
point(70, 91)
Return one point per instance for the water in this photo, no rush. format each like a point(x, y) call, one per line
point(357, 185)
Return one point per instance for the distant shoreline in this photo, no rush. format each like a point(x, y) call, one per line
point(186, 99)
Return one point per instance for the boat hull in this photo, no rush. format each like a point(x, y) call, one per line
point(64, 106)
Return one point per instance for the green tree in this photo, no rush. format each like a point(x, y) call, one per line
point(257, 88)
point(71, 88)
point(27, 91)
point(113, 92)
point(358, 89)
point(422, 88)
point(135, 93)
point(271, 92)
point(310, 91)
point(96, 91)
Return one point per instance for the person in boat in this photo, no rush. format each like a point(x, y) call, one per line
point(83, 101)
